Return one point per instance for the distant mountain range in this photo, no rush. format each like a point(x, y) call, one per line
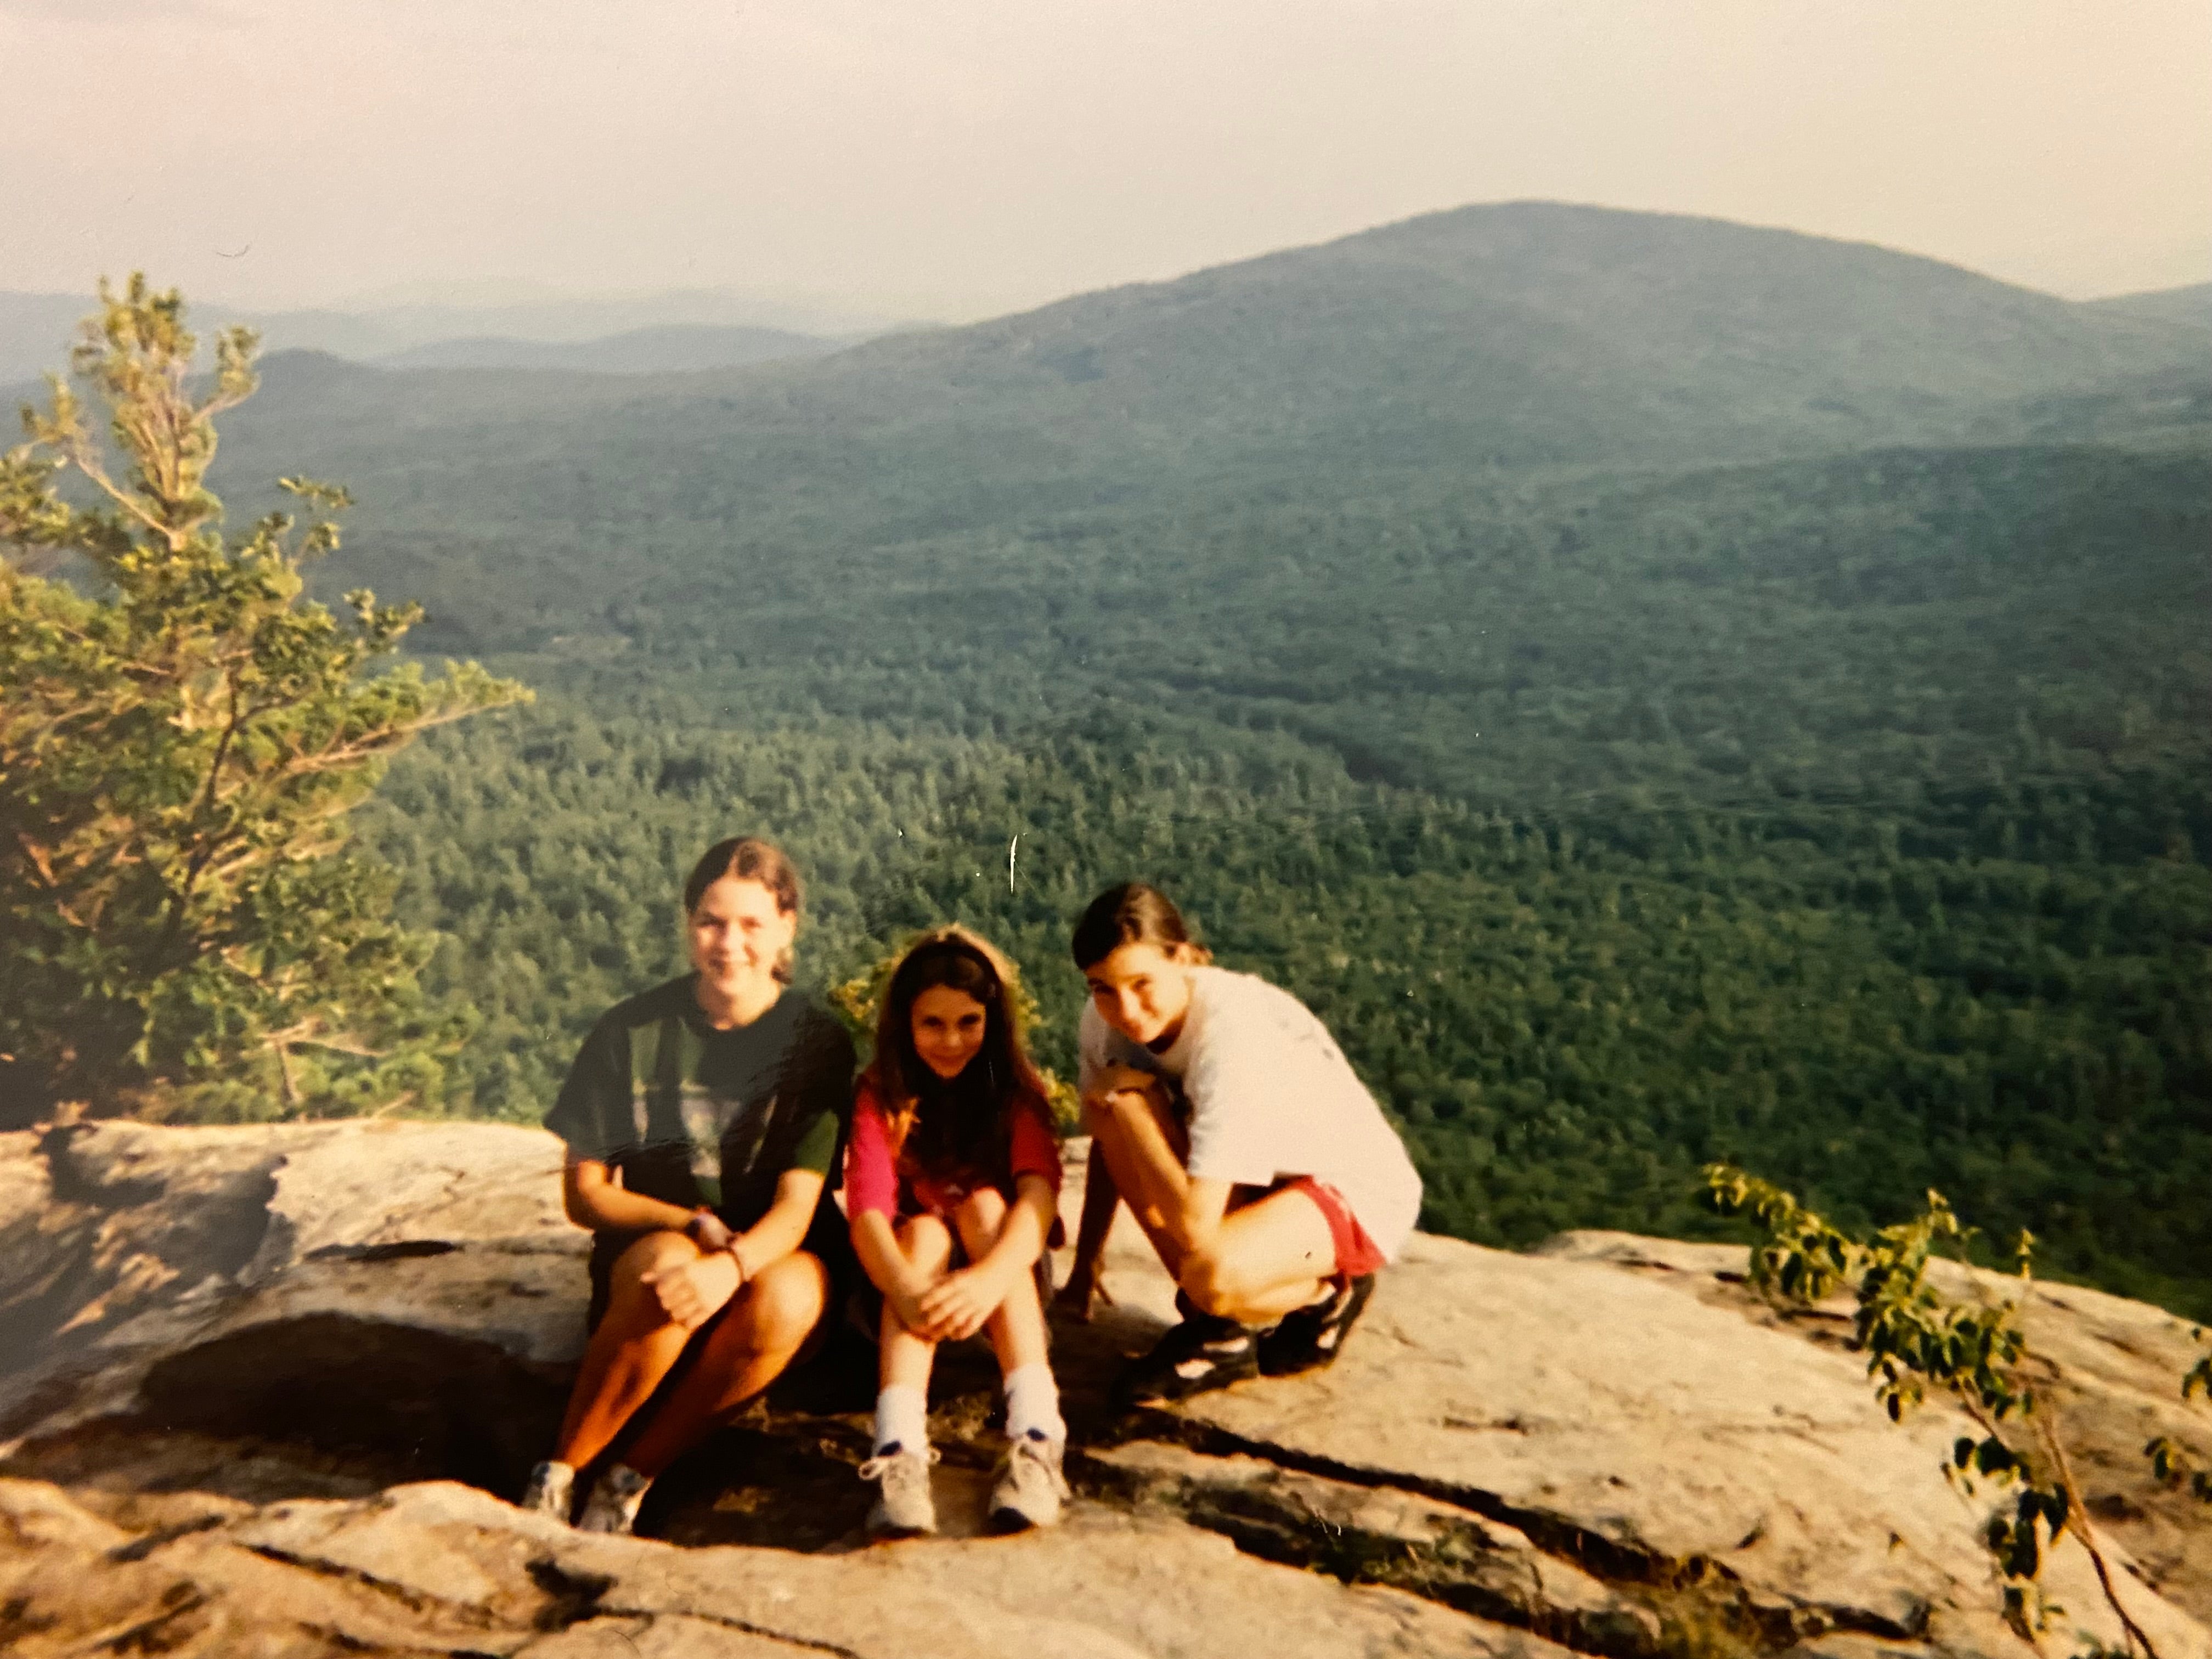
point(1487, 338)
point(1482, 253)
point(671, 350)
point(1406, 363)
point(2191, 305)
point(649, 334)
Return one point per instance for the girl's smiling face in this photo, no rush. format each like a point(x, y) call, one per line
point(948, 1029)
point(1142, 992)
point(737, 934)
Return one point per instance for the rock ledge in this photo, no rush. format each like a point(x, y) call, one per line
point(257, 1386)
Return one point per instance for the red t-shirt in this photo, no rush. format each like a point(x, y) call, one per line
point(878, 1179)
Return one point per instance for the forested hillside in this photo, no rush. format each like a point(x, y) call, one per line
point(1479, 348)
point(1848, 819)
point(1662, 691)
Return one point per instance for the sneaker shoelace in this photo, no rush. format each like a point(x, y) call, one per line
point(1039, 1455)
point(892, 1459)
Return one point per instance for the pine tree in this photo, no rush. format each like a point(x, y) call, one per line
point(182, 732)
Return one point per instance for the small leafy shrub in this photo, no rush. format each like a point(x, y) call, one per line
point(1916, 1340)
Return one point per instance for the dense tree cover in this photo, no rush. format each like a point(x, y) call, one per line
point(1660, 790)
point(1568, 1012)
point(1847, 817)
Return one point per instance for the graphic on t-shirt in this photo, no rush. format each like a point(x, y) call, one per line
point(708, 1120)
point(693, 1115)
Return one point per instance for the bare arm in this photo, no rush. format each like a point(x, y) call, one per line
point(1102, 1201)
point(692, 1292)
point(1196, 1224)
point(593, 1197)
point(1189, 1210)
point(888, 1268)
point(958, 1305)
point(783, 1229)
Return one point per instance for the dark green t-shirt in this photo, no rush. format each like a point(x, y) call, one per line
point(694, 1115)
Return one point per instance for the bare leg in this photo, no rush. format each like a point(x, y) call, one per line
point(634, 1347)
point(764, 1326)
point(1145, 1147)
point(1271, 1256)
point(1017, 1325)
point(906, 1358)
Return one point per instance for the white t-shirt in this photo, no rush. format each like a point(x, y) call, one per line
point(1271, 1096)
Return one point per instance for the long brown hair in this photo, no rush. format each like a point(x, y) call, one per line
point(749, 858)
point(1133, 914)
point(956, 1126)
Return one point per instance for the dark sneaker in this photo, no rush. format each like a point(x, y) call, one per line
point(1205, 1352)
point(1310, 1337)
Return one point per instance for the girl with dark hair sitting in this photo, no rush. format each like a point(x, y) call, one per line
point(1258, 1165)
point(951, 1183)
point(702, 1121)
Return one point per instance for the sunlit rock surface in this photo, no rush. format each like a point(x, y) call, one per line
point(261, 1390)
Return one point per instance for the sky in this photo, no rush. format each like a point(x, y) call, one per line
point(954, 159)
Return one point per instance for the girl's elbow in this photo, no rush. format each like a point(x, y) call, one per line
point(576, 1203)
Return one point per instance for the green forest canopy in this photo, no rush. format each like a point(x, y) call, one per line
point(1819, 782)
point(1847, 819)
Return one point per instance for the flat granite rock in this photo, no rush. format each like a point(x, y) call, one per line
point(446, 1569)
point(259, 1386)
point(1612, 1418)
point(2114, 1367)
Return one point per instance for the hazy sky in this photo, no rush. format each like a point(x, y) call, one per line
point(954, 158)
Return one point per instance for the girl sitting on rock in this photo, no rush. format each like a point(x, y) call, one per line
point(951, 1184)
point(1256, 1161)
point(702, 1121)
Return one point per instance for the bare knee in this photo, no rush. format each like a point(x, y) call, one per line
point(786, 1301)
point(925, 1242)
point(1123, 1118)
point(980, 1217)
point(1212, 1282)
point(654, 1253)
point(1116, 1113)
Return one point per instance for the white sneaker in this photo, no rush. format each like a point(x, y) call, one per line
point(613, 1506)
point(551, 1491)
point(1029, 1488)
point(905, 1507)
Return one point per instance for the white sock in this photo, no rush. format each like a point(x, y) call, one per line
point(902, 1417)
point(1033, 1403)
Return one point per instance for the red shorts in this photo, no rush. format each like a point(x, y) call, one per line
point(1356, 1255)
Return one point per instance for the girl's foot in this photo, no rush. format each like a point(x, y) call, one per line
point(550, 1492)
point(1313, 1336)
point(905, 1506)
point(1205, 1352)
point(1030, 1487)
point(613, 1506)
